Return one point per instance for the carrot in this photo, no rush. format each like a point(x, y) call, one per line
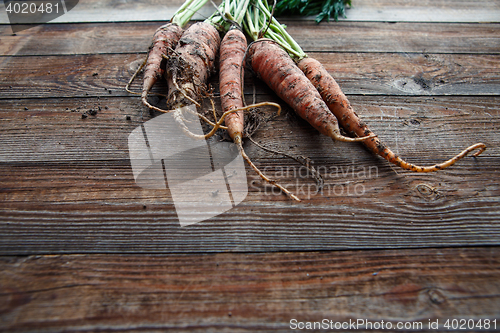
point(275, 67)
point(194, 60)
point(191, 64)
point(165, 39)
point(335, 100)
point(341, 108)
point(232, 52)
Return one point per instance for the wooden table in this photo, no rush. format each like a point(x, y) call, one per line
point(83, 248)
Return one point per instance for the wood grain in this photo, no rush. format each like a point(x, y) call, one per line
point(83, 248)
point(246, 292)
point(333, 37)
point(63, 173)
point(425, 11)
point(395, 37)
point(357, 73)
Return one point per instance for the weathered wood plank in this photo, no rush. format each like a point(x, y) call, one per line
point(357, 73)
point(53, 130)
point(58, 39)
point(248, 292)
point(362, 10)
point(67, 184)
point(425, 11)
point(401, 37)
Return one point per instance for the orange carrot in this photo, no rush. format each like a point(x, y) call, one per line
point(191, 65)
point(341, 108)
point(232, 53)
point(164, 40)
point(275, 67)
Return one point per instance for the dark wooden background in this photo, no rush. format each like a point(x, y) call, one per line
point(83, 248)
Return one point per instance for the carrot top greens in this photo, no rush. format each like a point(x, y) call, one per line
point(323, 10)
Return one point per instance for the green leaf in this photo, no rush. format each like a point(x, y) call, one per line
point(322, 9)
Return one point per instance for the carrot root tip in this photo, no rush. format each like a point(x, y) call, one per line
point(480, 146)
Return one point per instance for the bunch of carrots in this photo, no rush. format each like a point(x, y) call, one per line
point(187, 58)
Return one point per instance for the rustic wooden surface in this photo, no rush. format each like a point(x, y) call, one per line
point(248, 292)
point(83, 248)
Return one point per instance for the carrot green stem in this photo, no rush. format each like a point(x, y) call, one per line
point(257, 19)
point(241, 10)
point(184, 14)
point(229, 12)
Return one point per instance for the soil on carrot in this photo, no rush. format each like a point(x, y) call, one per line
point(191, 64)
point(183, 76)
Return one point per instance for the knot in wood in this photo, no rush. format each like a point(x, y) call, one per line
point(436, 296)
point(427, 192)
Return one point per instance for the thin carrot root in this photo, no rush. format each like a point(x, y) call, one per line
point(481, 146)
point(184, 92)
point(238, 141)
point(339, 105)
point(127, 87)
point(214, 112)
point(180, 120)
point(275, 67)
point(305, 161)
point(408, 166)
point(336, 136)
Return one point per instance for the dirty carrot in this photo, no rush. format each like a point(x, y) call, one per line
point(165, 39)
point(192, 63)
point(338, 103)
point(275, 67)
point(232, 52)
point(341, 108)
